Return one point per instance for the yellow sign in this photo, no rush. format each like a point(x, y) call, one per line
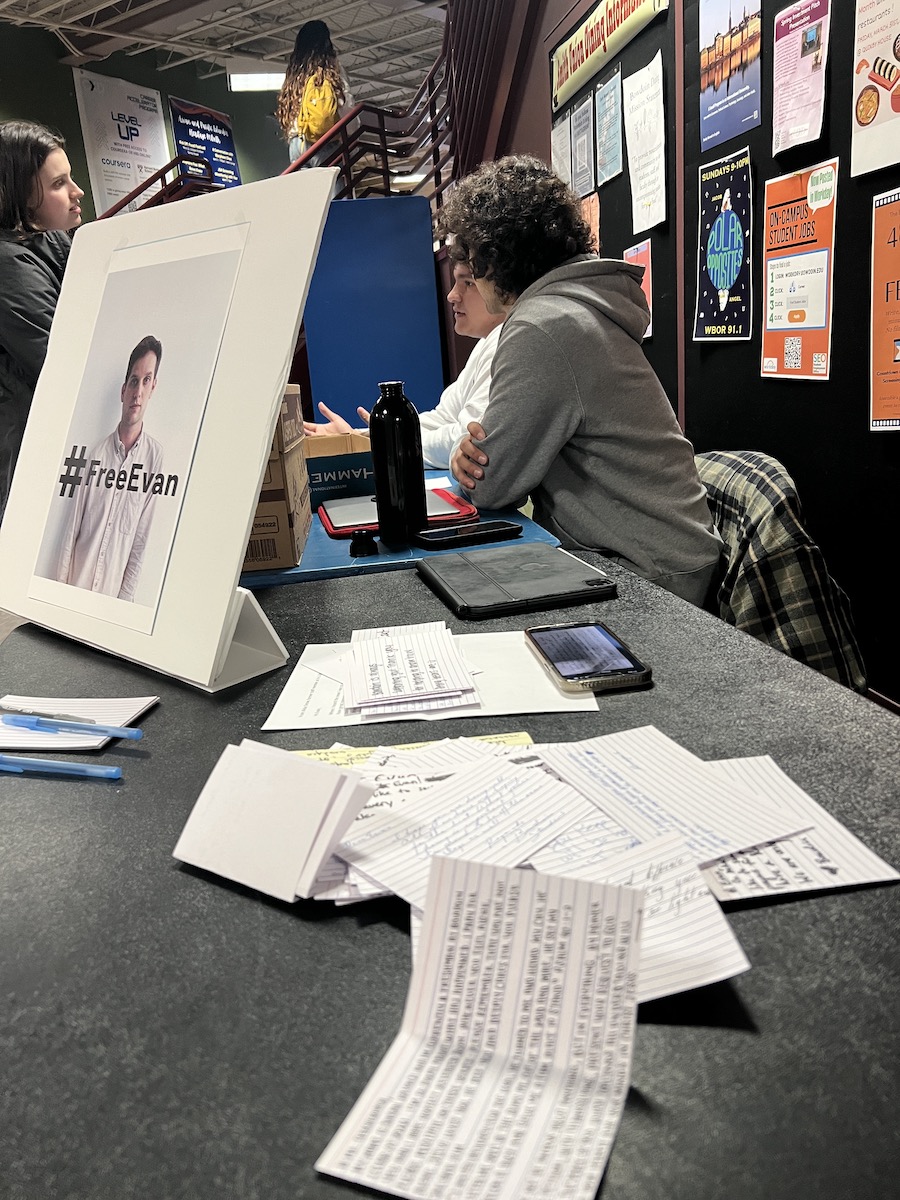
point(609, 27)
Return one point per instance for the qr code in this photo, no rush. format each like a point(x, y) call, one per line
point(792, 350)
point(820, 364)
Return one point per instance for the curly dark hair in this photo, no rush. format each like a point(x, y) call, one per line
point(313, 51)
point(512, 221)
point(24, 148)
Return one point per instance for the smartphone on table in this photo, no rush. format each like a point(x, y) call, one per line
point(453, 537)
point(586, 656)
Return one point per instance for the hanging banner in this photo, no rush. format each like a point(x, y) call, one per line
point(124, 132)
point(798, 266)
point(730, 44)
point(724, 309)
point(610, 26)
point(875, 129)
point(640, 254)
point(801, 52)
point(205, 133)
point(884, 409)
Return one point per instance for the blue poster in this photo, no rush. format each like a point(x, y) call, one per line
point(205, 133)
point(730, 42)
point(724, 303)
point(608, 102)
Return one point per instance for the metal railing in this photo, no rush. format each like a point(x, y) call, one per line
point(382, 151)
point(379, 151)
point(181, 185)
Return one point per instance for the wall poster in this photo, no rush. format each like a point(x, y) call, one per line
point(640, 254)
point(875, 128)
point(608, 105)
point(561, 149)
point(724, 310)
point(884, 409)
point(801, 52)
point(645, 144)
point(730, 90)
point(583, 147)
point(798, 269)
point(124, 133)
point(205, 133)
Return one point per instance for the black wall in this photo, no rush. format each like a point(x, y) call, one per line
point(847, 477)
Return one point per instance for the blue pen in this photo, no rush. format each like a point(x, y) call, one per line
point(15, 764)
point(49, 725)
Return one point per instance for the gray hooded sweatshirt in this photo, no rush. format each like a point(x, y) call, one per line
point(578, 420)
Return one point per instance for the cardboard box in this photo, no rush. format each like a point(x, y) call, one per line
point(283, 515)
point(338, 465)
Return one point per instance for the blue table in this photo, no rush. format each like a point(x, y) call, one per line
point(325, 557)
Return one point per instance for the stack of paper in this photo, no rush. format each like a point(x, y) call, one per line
point(269, 819)
point(503, 677)
point(121, 711)
point(417, 668)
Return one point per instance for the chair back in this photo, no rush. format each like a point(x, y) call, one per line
point(776, 586)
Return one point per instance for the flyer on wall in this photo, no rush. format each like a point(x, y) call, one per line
point(583, 147)
point(124, 134)
point(640, 254)
point(645, 144)
point(205, 133)
point(590, 210)
point(875, 127)
point(724, 310)
point(884, 409)
point(798, 268)
point(561, 149)
point(608, 105)
point(798, 67)
point(730, 89)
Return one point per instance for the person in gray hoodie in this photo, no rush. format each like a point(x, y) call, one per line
point(576, 417)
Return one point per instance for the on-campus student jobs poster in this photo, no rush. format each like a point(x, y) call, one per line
point(798, 270)
point(724, 310)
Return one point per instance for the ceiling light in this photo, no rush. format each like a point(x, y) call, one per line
point(251, 75)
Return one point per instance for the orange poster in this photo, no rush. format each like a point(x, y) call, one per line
point(798, 267)
point(885, 384)
point(640, 254)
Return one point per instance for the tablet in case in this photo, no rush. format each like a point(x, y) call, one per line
point(341, 518)
point(513, 579)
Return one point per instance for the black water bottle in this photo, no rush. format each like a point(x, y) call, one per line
point(397, 461)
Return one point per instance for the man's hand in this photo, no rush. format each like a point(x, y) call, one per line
point(334, 423)
point(364, 414)
point(468, 460)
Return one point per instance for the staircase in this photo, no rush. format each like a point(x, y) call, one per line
point(379, 151)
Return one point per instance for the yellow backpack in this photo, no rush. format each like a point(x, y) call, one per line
point(318, 108)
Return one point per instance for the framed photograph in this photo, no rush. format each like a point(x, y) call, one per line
point(152, 421)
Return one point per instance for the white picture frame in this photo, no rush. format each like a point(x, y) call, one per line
point(220, 281)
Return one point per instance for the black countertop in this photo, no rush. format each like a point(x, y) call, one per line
point(166, 1034)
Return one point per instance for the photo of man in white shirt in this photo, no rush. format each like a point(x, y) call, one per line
point(106, 536)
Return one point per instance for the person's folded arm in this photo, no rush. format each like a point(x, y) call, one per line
point(533, 410)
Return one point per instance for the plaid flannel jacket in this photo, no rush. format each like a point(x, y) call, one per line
point(776, 586)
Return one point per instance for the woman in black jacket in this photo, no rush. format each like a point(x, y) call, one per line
point(39, 206)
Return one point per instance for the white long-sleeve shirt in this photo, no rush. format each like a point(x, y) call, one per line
point(463, 401)
point(106, 538)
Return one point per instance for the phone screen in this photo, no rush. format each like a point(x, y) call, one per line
point(580, 651)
